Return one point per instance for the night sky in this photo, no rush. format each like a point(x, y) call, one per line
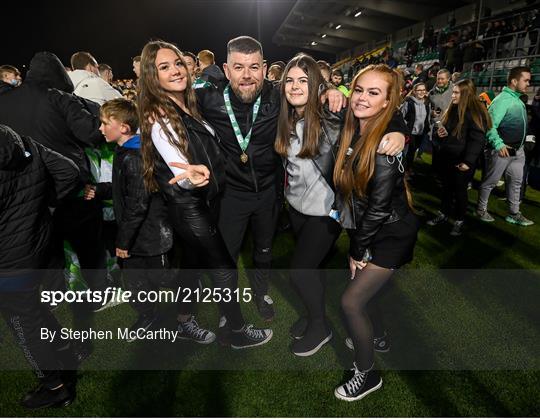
point(116, 30)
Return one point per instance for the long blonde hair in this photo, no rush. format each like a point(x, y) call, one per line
point(353, 172)
point(155, 105)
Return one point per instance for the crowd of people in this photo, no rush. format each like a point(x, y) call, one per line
point(197, 154)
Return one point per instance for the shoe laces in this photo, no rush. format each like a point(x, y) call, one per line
point(356, 382)
point(254, 333)
point(193, 328)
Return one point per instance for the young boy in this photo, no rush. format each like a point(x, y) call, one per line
point(144, 234)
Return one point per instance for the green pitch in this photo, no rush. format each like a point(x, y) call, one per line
point(438, 316)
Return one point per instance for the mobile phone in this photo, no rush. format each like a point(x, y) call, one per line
point(511, 151)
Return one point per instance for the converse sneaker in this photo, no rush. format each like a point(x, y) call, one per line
point(359, 385)
point(249, 336)
point(44, 397)
point(298, 329)
point(265, 306)
point(190, 330)
point(144, 323)
point(310, 343)
point(518, 219)
point(440, 218)
point(380, 344)
point(457, 230)
point(484, 216)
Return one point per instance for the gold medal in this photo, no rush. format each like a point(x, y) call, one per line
point(244, 158)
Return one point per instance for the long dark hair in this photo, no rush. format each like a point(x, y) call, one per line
point(352, 173)
point(155, 105)
point(312, 112)
point(469, 104)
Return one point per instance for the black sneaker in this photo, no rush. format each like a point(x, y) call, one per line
point(298, 329)
point(440, 218)
point(359, 385)
point(457, 229)
point(310, 343)
point(265, 305)
point(144, 323)
point(249, 336)
point(380, 344)
point(43, 397)
point(190, 330)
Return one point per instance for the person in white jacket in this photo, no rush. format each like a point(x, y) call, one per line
point(86, 80)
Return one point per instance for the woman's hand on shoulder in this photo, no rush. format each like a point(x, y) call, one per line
point(392, 144)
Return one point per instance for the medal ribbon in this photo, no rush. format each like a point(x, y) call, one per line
point(242, 142)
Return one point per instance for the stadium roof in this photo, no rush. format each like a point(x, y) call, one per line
point(336, 26)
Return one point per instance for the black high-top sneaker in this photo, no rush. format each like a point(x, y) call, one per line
point(249, 336)
point(359, 385)
point(191, 330)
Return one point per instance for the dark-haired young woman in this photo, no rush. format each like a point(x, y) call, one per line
point(172, 130)
point(307, 137)
point(462, 135)
point(373, 187)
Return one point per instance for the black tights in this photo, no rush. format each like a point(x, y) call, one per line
point(354, 301)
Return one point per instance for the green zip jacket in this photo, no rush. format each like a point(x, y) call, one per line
point(509, 119)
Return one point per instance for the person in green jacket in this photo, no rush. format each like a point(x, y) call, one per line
point(505, 146)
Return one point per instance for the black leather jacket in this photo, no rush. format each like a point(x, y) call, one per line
point(143, 227)
point(331, 125)
point(203, 148)
point(259, 173)
point(384, 203)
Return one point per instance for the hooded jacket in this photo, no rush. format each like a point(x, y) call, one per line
point(30, 174)
point(92, 87)
point(45, 109)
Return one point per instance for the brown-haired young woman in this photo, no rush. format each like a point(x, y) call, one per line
point(373, 186)
point(307, 137)
point(462, 135)
point(172, 130)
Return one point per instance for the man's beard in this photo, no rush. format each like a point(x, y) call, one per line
point(246, 97)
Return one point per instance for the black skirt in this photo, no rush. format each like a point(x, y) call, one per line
point(393, 245)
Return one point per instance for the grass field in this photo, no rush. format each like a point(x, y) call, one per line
point(450, 319)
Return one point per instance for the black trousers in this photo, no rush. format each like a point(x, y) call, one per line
point(81, 222)
point(454, 190)
point(144, 273)
point(260, 210)
point(315, 236)
point(414, 144)
point(196, 224)
point(25, 315)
